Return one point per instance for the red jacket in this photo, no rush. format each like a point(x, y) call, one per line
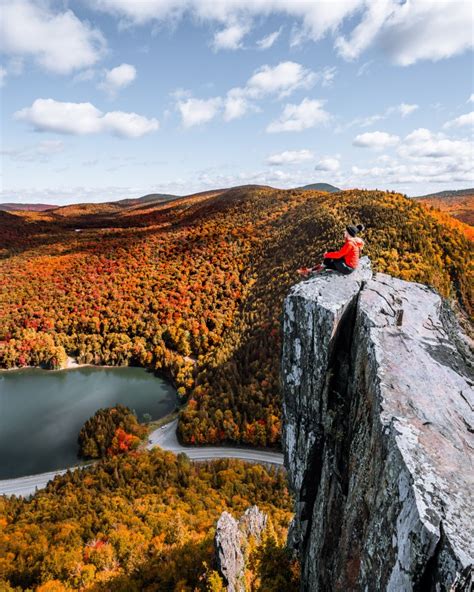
point(350, 252)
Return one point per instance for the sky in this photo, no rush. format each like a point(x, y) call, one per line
point(107, 99)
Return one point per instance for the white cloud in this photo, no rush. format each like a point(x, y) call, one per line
point(366, 31)
point(406, 31)
point(282, 79)
point(3, 75)
point(267, 41)
point(128, 125)
point(422, 143)
point(290, 157)
point(58, 41)
point(463, 120)
point(423, 157)
point(376, 140)
point(406, 109)
point(296, 118)
point(328, 164)
point(236, 106)
point(48, 115)
point(427, 30)
point(230, 37)
point(198, 111)
point(118, 78)
point(470, 99)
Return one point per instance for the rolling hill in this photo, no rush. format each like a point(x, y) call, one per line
point(37, 207)
point(457, 203)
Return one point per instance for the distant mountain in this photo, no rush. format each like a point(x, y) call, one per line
point(457, 203)
point(321, 187)
point(12, 207)
point(448, 194)
point(150, 198)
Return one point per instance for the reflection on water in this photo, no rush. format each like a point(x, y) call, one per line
point(41, 412)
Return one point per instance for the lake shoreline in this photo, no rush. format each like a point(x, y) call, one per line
point(71, 364)
point(43, 412)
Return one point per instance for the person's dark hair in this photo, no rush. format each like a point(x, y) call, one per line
point(354, 230)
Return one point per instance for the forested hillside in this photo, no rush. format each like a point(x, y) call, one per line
point(193, 288)
point(458, 204)
point(144, 523)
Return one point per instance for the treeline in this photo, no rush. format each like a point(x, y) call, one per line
point(141, 523)
point(110, 431)
point(195, 291)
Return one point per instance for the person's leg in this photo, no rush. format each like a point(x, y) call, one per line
point(329, 263)
point(341, 267)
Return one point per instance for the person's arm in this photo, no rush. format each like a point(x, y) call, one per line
point(338, 254)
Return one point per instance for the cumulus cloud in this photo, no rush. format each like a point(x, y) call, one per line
point(118, 78)
point(58, 41)
point(296, 118)
point(463, 120)
point(290, 157)
point(376, 140)
point(406, 31)
point(198, 111)
point(470, 99)
point(427, 30)
point(48, 115)
point(423, 157)
point(236, 105)
point(230, 37)
point(422, 143)
point(267, 41)
point(3, 75)
point(328, 164)
point(280, 80)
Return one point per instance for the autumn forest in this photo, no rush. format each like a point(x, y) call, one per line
point(191, 289)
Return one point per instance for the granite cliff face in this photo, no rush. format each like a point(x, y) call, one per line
point(378, 435)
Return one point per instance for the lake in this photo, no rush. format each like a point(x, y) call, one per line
point(42, 412)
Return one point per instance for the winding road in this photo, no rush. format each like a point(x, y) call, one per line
point(164, 437)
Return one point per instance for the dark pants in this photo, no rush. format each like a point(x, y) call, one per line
point(338, 265)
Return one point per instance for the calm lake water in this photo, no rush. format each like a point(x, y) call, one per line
point(42, 412)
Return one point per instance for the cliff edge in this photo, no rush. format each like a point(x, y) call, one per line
point(378, 435)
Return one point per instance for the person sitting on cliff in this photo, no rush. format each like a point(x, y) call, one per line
point(346, 259)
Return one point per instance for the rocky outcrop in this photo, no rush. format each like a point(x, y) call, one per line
point(231, 541)
point(229, 554)
point(378, 434)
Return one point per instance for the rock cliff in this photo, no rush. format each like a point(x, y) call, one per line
point(231, 540)
point(378, 435)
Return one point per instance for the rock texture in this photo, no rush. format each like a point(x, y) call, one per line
point(378, 435)
point(231, 540)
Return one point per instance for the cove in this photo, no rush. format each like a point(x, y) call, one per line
point(41, 411)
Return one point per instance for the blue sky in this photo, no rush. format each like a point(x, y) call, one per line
point(108, 99)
